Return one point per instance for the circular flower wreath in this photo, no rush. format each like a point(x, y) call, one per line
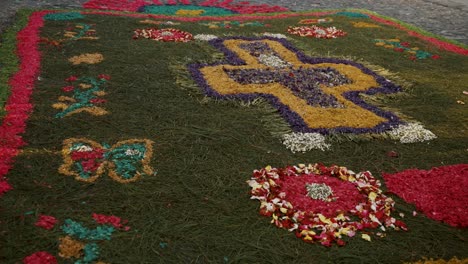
point(323, 204)
point(165, 34)
point(316, 32)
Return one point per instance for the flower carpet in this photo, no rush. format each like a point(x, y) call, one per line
point(228, 132)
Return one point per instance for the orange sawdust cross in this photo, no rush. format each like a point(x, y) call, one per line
point(332, 109)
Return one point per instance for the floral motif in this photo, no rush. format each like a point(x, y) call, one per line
point(70, 248)
point(185, 12)
point(85, 98)
point(86, 58)
point(166, 34)
point(113, 220)
point(81, 31)
point(328, 102)
point(80, 242)
point(440, 193)
point(46, 221)
point(414, 52)
point(317, 32)
point(361, 24)
point(41, 257)
point(125, 161)
point(323, 204)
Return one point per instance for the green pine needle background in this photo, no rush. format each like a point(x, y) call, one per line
point(205, 150)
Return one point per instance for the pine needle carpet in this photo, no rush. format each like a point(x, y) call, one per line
point(216, 133)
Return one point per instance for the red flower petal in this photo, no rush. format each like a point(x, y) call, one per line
point(41, 257)
point(440, 193)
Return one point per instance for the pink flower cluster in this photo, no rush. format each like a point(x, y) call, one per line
point(440, 193)
point(317, 32)
point(165, 35)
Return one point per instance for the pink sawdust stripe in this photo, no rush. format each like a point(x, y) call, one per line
point(18, 106)
point(156, 2)
point(437, 42)
point(209, 3)
point(119, 5)
point(194, 19)
point(226, 2)
point(172, 2)
point(185, 2)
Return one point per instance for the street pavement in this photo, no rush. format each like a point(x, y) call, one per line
point(448, 18)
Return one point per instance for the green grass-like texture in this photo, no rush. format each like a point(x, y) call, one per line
point(198, 203)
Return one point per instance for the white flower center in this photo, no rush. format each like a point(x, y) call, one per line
point(319, 191)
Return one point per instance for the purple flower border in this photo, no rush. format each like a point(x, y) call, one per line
point(296, 122)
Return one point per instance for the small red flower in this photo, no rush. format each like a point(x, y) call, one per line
point(41, 257)
point(115, 221)
point(68, 88)
point(72, 78)
point(104, 76)
point(98, 101)
point(399, 49)
point(405, 44)
point(435, 57)
point(46, 221)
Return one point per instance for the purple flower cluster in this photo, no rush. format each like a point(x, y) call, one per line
point(296, 122)
point(304, 83)
point(257, 48)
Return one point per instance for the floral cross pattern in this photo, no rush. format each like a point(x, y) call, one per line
point(85, 97)
point(313, 94)
point(87, 160)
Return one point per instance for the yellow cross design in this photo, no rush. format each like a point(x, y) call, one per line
point(348, 115)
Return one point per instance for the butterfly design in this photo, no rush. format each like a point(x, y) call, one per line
point(125, 162)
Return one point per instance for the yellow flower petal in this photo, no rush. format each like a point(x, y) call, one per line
point(366, 237)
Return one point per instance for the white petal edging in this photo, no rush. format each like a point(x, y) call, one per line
point(273, 61)
point(204, 37)
point(302, 142)
point(275, 35)
point(411, 133)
